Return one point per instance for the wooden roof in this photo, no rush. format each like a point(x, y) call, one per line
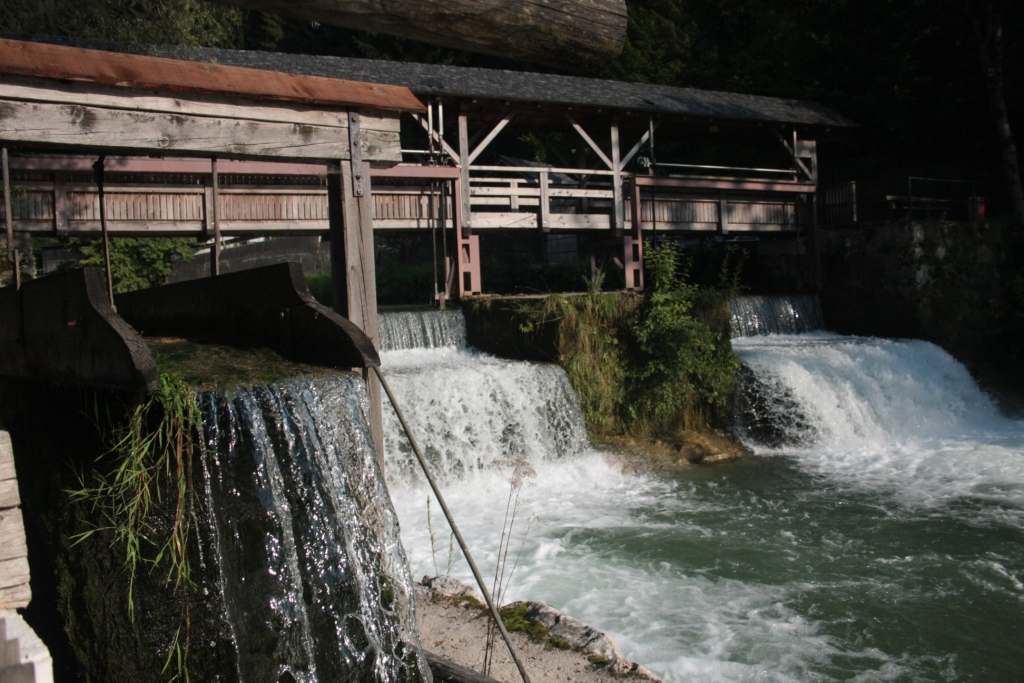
point(46, 60)
point(521, 86)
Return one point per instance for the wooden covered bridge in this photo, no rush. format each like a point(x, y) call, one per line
point(627, 178)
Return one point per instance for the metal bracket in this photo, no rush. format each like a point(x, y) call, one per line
point(355, 140)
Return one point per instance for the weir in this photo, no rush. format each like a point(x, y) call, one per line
point(427, 329)
point(750, 316)
point(315, 582)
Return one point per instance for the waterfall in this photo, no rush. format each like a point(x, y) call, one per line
point(315, 582)
point(474, 412)
point(752, 316)
point(421, 329)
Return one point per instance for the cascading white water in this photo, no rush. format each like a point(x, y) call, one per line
point(421, 329)
point(899, 415)
point(474, 412)
point(886, 514)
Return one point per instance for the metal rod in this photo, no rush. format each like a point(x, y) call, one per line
point(455, 529)
point(549, 169)
point(430, 125)
point(734, 168)
point(98, 169)
point(12, 253)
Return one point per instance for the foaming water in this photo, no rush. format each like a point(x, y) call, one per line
point(900, 416)
point(421, 329)
point(474, 411)
point(794, 567)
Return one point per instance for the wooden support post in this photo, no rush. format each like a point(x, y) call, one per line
point(633, 244)
point(545, 203)
point(723, 213)
point(215, 252)
point(617, 203)
point(466, 215)
point(12, 253)
point(467, 250)
point(350, 218)
point(816, 271)
point(61, 208)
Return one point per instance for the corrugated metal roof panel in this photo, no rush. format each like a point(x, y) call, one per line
point(46, 60)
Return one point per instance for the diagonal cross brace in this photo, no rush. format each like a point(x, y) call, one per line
point(593, 145)
point(490, 136)
point(448, 149)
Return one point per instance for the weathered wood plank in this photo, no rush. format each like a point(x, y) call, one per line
point(46, 123)
point(9, 496)
point(113, 97)
point(6, 457)
point(12, 534)
point(14, 572)
point(15, 597)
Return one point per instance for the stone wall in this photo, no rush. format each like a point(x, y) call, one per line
point(957, 285)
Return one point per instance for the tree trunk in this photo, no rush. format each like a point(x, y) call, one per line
point(585, 35)
point(988, 30)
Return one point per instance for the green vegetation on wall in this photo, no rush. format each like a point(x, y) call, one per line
point(641, 365)
point(141, 494)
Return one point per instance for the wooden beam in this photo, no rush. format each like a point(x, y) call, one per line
point(593, 145)
point(94, 127)
point(617, 200)
point(114, 97)
point(545, 203)
point(640, 143)
point(500, 126)
point(466, 215)
point(422, 120)
point(361, 286)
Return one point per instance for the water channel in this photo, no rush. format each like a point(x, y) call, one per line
point(875, 535)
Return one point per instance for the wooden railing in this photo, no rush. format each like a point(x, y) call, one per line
point(551, 199)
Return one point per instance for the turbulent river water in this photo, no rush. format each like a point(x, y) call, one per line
point(875, 535)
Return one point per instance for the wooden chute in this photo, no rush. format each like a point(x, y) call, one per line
point(581, 35)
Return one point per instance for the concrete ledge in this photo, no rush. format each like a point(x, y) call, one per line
point(23, 656)
point(269, 306)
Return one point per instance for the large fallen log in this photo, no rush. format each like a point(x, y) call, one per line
point(582, 35)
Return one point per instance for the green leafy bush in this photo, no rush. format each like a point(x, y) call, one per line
point(136, 263)
point(649, 364)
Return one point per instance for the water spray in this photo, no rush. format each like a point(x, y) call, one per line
point(455, 529)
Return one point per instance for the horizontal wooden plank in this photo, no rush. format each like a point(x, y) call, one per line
point(12, 534)
point(9, 496)
point(6, 457)
point(14, 572)
point(15, 597)
point(94, 127)
point(143, 72)
point(113, 97)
